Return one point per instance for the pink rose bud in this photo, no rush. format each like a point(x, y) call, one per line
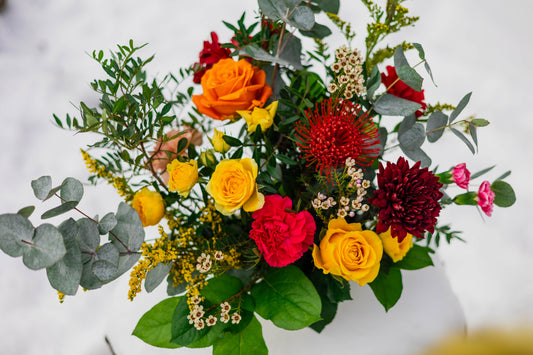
point(461, 175)
point(485, 198)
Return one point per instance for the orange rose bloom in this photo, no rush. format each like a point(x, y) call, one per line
point(230, 86)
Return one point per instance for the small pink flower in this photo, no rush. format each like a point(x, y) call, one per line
point(461, 175)
point(485, 198)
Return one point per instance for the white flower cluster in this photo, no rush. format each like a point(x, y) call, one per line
point(347, 207)
point(204, 261)
point(348, 69)
point(195, 317)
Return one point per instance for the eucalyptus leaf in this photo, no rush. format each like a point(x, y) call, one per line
point(154, 326)
point(473, 133)
point(430, 73)
point(41, 187)
point(107, 223)
point(47, 248)
point(413, 138)
point(418, 155)
point(26, 211)
point(420, 50)
point(88, 236)
point(460, 107)
point(129, 230)
point(88, 280)
point(65, 275)
point(410, 77)
point(14, 228)
point(482, 172)
point(302, 18)
point(373, 82)
point(287, 298)
point(172, 289)
point(71, 190)
point(292, 53)
point(504, 194)
point(391, 105)
point(436, 124)
point(464, 139)
point(318, 31)
point(59, 210)
point(155, 276)
point(331, 6)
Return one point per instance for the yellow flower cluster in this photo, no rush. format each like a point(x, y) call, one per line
point(61, 296)
point(162, 251)
point(119, 183)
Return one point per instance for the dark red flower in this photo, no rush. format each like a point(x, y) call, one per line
point(335, 131)
point(407, 198)
point(210, 55)
point(281, 236)
point(402, 90)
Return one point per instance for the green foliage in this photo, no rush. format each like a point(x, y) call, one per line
point(445, 232)
point(504, 193)
point(154, 327)
point(248, 342)
point(287, 298)
point(387, 287)
point(416, 258)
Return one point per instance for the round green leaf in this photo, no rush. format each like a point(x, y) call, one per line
point(155, 276)
point(129, 229)
point(391, 105)
point(13, 229)
point(41, 187)
point(71, 190)
point(505, 196)
point(47, 249)
point(107, 223)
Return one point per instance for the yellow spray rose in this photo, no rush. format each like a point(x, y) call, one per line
point(233, 186)
point(182, 176)
point(350, 252)
point(260, 116)
point(149, 205)
point(394, 249)
point(219, 144)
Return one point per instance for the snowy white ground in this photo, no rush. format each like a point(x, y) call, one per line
point(482, 47)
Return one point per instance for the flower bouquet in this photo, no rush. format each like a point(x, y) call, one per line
point(275, 176)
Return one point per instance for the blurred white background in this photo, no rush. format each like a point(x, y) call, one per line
point(483, 47)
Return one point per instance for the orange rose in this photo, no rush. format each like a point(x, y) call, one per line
point(230, 86)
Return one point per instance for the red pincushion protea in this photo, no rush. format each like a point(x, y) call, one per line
point(402, 90)
point(335, 131)
point(210, 55)
point(407, 198)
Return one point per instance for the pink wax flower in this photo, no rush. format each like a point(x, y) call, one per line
point(461, 175)
point(485, 198)
point(281, 236)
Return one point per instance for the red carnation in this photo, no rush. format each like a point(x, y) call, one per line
point(402, 90)
point(407, 198)
point(335, 131)
point(210, 55)
point(281, 236)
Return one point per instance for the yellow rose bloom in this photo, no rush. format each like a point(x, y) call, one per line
point(394, 249)
point(219, 144)
point(149, 205)
point(182, 176)
point(350, 252)
point(233, 186)
point(260, 116)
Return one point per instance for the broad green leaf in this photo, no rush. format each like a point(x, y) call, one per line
point(288, 298)
point(391, 105)
point(331, 6)
point(234, 142)
point(65, 275)
point(418, 155)
point(183, 333)
point(387, 287)
point(416, 258)
point(328, 313)
point(410, 77)
point(14, 228)
point(155, 276)
point(436, 124)
point(107, 223)
point(26, 211)
point(412, 138)
point(88, 279)
point(41, 187)
point(460, 107)
point(88, 236)
point(248, 342)
point(56, 211)
point(505, 196)
point(292, 52)
point(71, 190)
point(318, 31)
point(302, 18)
point(47, 249)
point(221, 288)
point(154, 326)
point(126, 261)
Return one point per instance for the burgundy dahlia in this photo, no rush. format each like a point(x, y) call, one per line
point(210, 55)
point(407, 198)
point(402, 90)
point(337, 130)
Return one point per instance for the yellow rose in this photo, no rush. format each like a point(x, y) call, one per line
point(350, 252)
point(233, 186)
point(394, 249)
point(260, 116)
point(219, 144)
point(149, 205)
point(182, 176)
